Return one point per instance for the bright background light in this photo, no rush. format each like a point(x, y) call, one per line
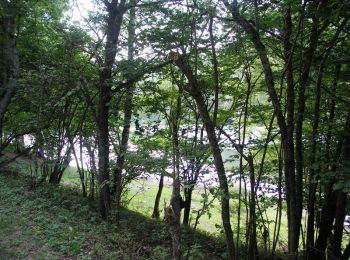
point(79, 11)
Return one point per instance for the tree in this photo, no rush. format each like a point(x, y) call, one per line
point(9, 64)
point(114, 19)
point(194, 90)
point(289, 126)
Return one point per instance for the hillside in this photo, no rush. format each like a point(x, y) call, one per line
point(57, 223)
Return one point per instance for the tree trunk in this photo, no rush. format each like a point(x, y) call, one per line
point(127, 111)
point(187, 206)
point(20, 145)
point(342, 196)
point(309, 54)
point(339, 224)
point(279, 205)
point(329, 209)
point(194, 90)
point(93, 169)
point(9, 64)
point(172, 213)
point(103, 151)
point(312, 181)
point(80, 166)
point(253, 253)
point(215, 69)
point(114, 21)
point(286, 133)
point(155, 213)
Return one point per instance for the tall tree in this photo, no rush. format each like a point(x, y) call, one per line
point(9, 63)
point(127, 106)
point(115, 12)
point(195, 91)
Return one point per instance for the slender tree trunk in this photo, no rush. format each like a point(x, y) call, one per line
point(172, 213)
point(20, 146)
point(194, 170)
point(187, 204)
point(215, 69)
point(9, 63)
point(155, 213)
point(341, 196)
point(194, 91)
point(288, 145)
point(339, 224)
point(80, 167)
point(115, 12)
point(312, 180)
point(253, 253)
point(93, 169)
point(329, 209)
point(286, 136)
point(83, 178)
point(311, 252)
point(309, 54)
point(279, 204)
point(127, 111)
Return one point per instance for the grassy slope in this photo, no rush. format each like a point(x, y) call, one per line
point(57, 223)
point(143, 192)
point(143, 200)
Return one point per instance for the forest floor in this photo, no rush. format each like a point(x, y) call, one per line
point(51, 222)
point(57, 222)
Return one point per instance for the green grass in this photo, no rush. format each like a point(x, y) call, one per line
point(53, 222)
point(142, 193)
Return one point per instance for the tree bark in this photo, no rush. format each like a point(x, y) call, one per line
point(312, 181)
point(187, 206)
point(253, 253)
point(127, 112)
point(9, 63)
point(215, 69)
point(93, 168)
point(194, 90)
point(115, 12)
point(286, 136)
point(309, 54)
point(329, 209)
point(339, 224)
point(155, 213)
point(172, 213)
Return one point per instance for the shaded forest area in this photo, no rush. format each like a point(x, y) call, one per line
point(243, 103)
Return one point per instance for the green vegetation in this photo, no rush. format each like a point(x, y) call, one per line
point(242, 105)
point(55, 223)
point(142, 194)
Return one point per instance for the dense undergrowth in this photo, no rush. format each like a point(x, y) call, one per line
point(52, 222)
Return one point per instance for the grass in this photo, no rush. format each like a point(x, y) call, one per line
point(142, 194)
point(53, 222)
point(62, 223)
